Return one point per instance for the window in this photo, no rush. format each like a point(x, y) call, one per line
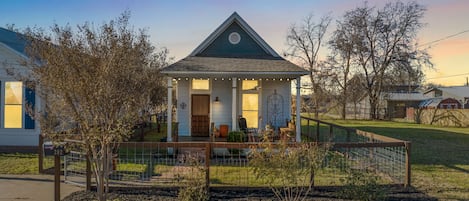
point(200, 84)
point(234, 38)
point(250, 85)
point(13, 105)
point(250, 101)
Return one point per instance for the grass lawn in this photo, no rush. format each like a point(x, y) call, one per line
point(22, 163)
point(440, 156)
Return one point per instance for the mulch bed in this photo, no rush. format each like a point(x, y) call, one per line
point(236, 194)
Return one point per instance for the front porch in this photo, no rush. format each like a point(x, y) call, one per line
point(207, 106)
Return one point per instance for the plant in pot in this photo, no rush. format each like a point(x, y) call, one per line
point(235, 136)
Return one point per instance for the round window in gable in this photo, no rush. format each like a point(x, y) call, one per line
point(234, 38)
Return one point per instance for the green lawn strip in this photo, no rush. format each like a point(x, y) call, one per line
point(19, 163)
point(440, 165)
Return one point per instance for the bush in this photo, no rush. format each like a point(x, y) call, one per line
point(235, 136)
point(195, 188)
point(288, 170)
point(362, 186)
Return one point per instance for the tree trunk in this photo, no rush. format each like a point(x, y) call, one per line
point(373, 109)
point(355, 110)
point(344, 109)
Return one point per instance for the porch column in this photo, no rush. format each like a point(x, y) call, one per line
point(234, 118)
point(298, 106)
point(170, 109)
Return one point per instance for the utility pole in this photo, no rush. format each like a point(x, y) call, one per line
point(467, 81)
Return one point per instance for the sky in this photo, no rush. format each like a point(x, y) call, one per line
point(181, 25)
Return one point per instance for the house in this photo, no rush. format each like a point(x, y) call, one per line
point(393, 102)
point(232, 73)
point(17, 127)
point(455, 97)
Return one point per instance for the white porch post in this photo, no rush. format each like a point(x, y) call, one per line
point(170, 109)
point(298, 106)
point(234, 119)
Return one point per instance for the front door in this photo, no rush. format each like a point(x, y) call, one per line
point(200, 115)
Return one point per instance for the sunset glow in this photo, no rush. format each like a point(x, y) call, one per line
point(182, 25)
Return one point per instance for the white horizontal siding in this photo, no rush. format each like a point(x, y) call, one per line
point(221, 111)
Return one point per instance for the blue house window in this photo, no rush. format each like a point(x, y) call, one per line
point(13, 116)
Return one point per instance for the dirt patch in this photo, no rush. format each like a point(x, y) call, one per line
point(238, 194)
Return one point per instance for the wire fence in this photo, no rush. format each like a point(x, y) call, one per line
point(363, 151)
point(174, 164)
point(226, 164)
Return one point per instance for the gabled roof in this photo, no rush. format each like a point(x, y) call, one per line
point(234, 18)
point(13, 40)
point(218, 55)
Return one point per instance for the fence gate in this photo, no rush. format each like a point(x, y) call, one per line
point(74, 166)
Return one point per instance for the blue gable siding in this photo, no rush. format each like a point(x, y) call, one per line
point(30, 97)
point(246, 48)
point(14, 40)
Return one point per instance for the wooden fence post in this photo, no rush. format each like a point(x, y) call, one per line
point(88, 172)
point(56, 177)
point(407, 164)
point(317, 132)
point(207, 164)
point(41, 153)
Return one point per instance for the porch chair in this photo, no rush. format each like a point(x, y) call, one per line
point(250, 132)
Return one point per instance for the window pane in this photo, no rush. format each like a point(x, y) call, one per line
point(13, 92)
point(251, 118)
point(200, 84)
point(250, 84)
point(13, 116)
point(250, 102)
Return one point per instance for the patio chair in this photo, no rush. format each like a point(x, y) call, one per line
point(250, 132)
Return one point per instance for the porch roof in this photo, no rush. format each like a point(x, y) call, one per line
point(229, 67)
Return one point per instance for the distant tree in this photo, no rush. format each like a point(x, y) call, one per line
point(356, 91)
point(304, 42)
point(385, 44)
point(96, 82)
point(341, 59)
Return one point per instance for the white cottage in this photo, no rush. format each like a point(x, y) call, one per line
point(17, 128)
point(232, 73)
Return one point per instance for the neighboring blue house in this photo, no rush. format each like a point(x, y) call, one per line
point(232, 73)
point(17, 128)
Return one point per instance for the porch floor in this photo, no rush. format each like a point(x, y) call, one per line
point(199, 139)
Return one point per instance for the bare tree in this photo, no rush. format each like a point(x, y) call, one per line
point(97, 82)
point(341, 60)
point(385, 43)
point(305, 41)
point(355, 91)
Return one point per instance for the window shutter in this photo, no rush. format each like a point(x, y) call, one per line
point(30, 101)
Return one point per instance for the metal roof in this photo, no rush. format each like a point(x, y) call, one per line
point(406, 96)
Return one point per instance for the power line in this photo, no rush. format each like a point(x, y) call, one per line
point(447, 76)
point(444, 38)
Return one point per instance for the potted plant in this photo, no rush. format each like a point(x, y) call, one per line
point(235, 136)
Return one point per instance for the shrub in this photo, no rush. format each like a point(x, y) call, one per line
point(362, 186)
point(288, 170)
point(235, 136)
point(195, 188)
